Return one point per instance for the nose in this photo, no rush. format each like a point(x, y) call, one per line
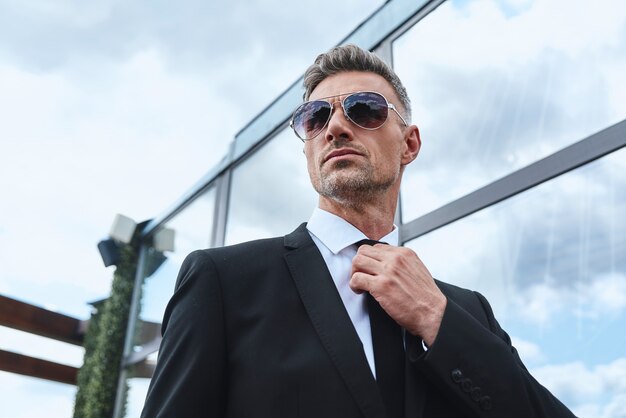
point(338, 128)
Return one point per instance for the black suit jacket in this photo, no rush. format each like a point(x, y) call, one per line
point(259, 330)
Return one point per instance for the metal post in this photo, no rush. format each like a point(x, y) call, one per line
point(133, 315)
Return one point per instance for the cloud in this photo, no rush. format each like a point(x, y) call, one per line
point(540, 303)
point(535, 24)
point(592, 392)
point(529, 352)
point(192, 33)
point(606, 295)
point(505, 88)
point(544, 304)
point(616, 408)
point(566, 380)
point(552, 252)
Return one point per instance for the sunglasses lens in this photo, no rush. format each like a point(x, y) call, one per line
point(310, 118)
point(368, 110)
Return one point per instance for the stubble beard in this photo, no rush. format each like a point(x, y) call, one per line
point(353, 185)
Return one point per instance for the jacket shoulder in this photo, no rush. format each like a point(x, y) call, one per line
point(255, 248)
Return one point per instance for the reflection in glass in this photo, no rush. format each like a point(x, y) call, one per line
point(193, 228)
point(137, 391)
point(270, 192)
point(552, 262)
point(497, 85)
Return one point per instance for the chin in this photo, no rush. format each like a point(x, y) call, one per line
point(344, 185)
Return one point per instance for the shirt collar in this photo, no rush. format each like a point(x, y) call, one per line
point(336, 233)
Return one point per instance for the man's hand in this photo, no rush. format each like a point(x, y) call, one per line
point(401, 283)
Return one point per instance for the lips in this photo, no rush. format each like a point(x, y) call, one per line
point(339, 152)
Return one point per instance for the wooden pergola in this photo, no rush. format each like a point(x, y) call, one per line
point(43, 322)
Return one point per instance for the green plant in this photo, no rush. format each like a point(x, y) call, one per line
point(104, 344)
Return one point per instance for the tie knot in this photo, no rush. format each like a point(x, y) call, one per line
point(368, 242)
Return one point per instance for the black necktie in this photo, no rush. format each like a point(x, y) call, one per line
point(388, 354)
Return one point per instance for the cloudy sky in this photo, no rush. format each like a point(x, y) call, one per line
point(120, 108)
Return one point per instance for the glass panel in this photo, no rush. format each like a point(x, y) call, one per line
point(136, 395)
point(137, 391)
point(270, 192)
point(552, 262)
point(193, 228)
point(497, 85)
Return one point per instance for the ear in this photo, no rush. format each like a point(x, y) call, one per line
point(412, 143)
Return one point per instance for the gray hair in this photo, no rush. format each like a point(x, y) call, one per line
point(352, 58)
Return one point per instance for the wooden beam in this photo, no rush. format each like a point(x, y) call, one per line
point(141, 355)
point(149, 331)
point(29, 318)
point(144, 369)
point(43, 369)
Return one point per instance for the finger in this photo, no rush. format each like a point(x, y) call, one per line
point(376, 252)
point(360, 282)
point(365, 264)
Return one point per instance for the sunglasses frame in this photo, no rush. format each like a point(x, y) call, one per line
point(332, 109)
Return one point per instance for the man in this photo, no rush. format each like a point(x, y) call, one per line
point(315, 324)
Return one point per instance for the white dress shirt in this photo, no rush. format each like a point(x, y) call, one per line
point(335, 238)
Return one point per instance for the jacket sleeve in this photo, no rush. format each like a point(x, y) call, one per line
point(473, 363)
point(189, 379)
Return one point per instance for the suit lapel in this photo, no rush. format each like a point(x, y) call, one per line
point(331, 321)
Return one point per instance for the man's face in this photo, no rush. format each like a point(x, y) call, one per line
point(350, 164)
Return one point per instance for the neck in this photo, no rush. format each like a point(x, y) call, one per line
point(374, 217)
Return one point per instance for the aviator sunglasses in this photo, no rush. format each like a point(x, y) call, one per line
point(366, 109)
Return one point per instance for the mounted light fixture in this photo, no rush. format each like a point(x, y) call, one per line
point(163, 239)
point(121, 232)
point(109, 251)
point(123, 229)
